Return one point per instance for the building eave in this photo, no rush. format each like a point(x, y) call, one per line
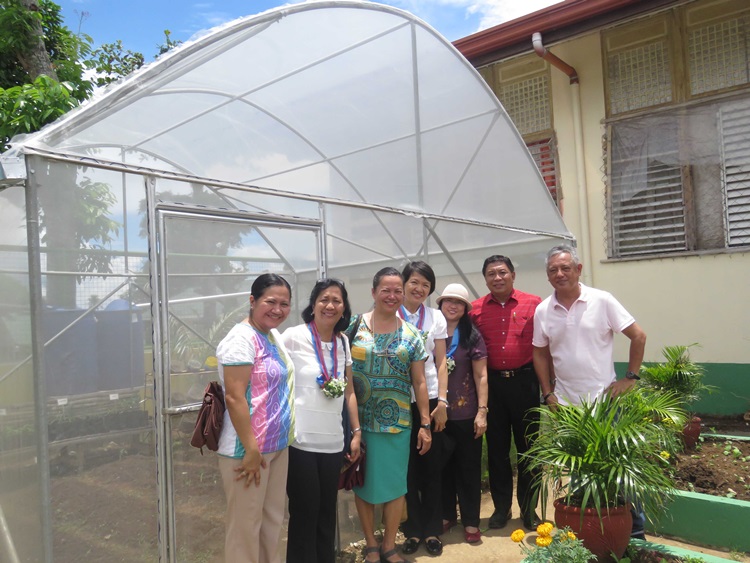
point(562, 20)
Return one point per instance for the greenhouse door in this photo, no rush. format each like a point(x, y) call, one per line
point(206, 263)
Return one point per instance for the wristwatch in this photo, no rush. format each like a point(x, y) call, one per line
point(632, 375)
point(425, 426)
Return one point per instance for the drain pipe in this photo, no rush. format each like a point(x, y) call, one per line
point(583, 205)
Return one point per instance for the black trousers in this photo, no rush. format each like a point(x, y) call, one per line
point(312, 488)
point(423, 484)
point(462, 475)
point(509, 418)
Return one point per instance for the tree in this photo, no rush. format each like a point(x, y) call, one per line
point(42, 76)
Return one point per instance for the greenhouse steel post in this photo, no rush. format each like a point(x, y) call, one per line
point(6, 540)
point(156, 323)
point(37, 351)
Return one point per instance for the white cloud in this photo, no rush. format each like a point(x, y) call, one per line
point(488, 12)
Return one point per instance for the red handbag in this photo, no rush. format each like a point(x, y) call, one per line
point(353, 473)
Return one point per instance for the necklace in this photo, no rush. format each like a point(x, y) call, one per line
point(383, 352)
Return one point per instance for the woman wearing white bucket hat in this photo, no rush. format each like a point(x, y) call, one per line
point(467, 411)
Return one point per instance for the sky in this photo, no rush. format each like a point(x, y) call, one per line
point(140, 24)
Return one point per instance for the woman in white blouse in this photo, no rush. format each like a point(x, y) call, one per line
point(322, 384)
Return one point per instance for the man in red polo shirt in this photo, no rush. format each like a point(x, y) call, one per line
point(505, 317)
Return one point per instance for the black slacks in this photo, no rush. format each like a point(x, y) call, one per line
point(312, 488)
point(509, 418)
point(423, 484)
point(462, 475)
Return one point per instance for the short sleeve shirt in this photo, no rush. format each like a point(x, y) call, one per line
point(381, 368)
point(269, 393)
point(317, 417)
point(462, 390)
point(507, 329)
point(581, 342)
point(434, 327)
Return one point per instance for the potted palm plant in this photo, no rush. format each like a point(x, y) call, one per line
point(602, 456)
point(683, 377)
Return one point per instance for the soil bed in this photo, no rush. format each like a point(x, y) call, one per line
point(716, 467)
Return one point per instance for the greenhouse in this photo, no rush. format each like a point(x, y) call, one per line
point(322, 139)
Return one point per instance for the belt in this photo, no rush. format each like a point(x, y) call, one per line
point(507, 373)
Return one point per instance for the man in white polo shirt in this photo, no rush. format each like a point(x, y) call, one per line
point(574, 336)
point(574, 339)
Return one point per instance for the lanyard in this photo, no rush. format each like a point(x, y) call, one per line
point(454, 344)
point(318, 347)
point(404, 314)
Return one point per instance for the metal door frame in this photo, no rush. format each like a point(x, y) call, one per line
point(157, 215)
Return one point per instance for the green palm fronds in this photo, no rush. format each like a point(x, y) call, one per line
point(610, 450)
point(678, 374)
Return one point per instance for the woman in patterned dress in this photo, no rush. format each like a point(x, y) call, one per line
point(387, 361)
point(258, 379)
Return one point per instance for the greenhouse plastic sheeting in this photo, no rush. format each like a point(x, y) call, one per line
point(347, 100)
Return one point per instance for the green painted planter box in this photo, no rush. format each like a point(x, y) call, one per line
point(706, 520)
point(678, 552)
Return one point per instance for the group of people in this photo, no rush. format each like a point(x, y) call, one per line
point(420, 386)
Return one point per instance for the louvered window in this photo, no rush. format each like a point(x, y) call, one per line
point(680, 180)
point(678, 146)
point(648, 210)
point(544, 153)
point(735, 136)
point(523, 87)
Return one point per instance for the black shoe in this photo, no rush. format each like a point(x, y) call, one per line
point(434, 546)
point(638, 536)
point(531, 522)
point(499, 519)
point(411, 545)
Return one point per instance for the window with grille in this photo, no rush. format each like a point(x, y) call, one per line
point(522, 86)
point(679, 179)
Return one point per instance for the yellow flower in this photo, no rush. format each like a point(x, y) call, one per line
point(518, 535)
point(543, 541)
point(545, 529)
point(664, 455)
point(571, 536)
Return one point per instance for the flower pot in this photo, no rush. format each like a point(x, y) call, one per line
point(691, 433)
point(616, 523)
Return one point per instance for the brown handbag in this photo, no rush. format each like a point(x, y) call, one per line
point(210, 418)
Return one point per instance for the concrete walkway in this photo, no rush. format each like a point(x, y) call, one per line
point(496, 545)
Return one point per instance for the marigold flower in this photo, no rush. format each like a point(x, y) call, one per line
point(571, 536)
point(664, 454)
point(518, 535)
point(545, 529)
point(543, 541)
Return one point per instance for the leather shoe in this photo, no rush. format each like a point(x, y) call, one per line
point(411, 545)
point(434, 546)
point(473, 537)
point(448, 525)
point(499, 520)
point(530, 522)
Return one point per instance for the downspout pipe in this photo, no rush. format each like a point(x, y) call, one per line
point(583, 205)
